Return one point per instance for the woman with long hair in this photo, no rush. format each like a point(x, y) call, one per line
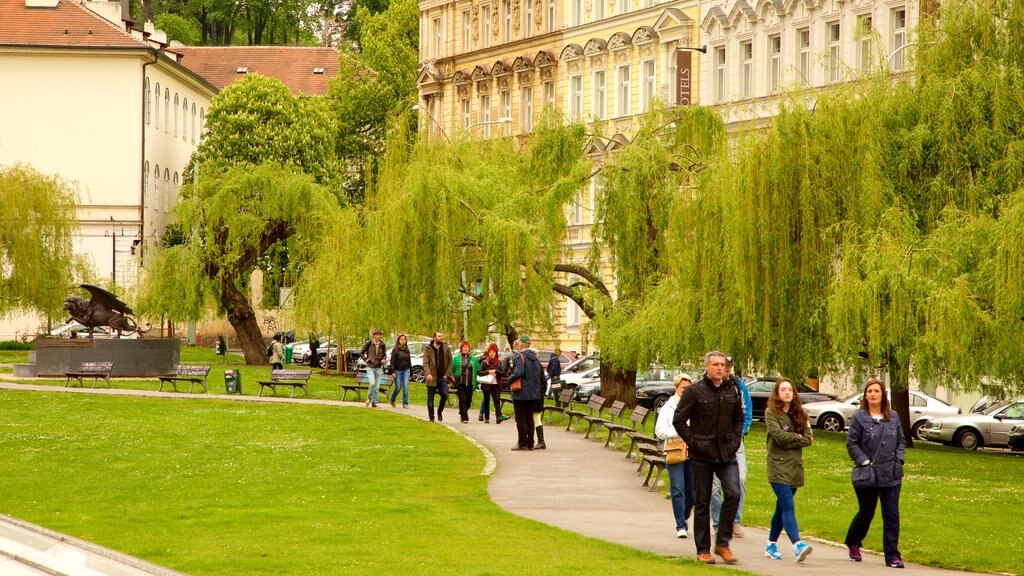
point(876, 439)
point(465, 368)
point(492, 392)
point(401, 363)
point(789, 431)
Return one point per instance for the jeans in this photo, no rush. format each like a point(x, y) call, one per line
point(680, 482)
point(374, 377)
point(524, 422)
point(867, 498)
point(493, 395)
point(441, 389)
point(704, 473)
point(716, 490)
point(465, 392)
point(785, 514)
point(401, 384)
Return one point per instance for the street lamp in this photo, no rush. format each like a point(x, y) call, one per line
point(888, 61)
point(504, 120)
point(418, 108)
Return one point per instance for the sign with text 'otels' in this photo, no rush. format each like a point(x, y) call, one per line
point(683, 75)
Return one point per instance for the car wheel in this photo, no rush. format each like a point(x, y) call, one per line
point(321, 360)
point(915, 430)
point(831, 422)
point(659, 402)
point(968, 439)
point(418, 375)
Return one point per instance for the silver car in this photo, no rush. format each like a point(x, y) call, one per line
point(836, 416)
point(973, 431)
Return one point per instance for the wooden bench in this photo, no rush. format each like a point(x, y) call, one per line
point(656, 465)
point(94, 370)
point(578, 414)
point(191, 374)
point(639, 439)
point(614, 417)
point(595, 406)
point(561, 405)
point(362, 382)
point(638, 419)
point(293, 378)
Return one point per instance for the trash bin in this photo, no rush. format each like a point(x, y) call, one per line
point(233, 381)
point(288, 354)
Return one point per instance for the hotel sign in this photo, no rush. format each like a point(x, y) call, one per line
point(684, 74)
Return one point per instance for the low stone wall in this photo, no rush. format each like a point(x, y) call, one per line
point(131, 357)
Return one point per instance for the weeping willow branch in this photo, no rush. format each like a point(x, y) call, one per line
point(586, 275)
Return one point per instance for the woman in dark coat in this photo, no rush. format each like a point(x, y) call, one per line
point(492, 365)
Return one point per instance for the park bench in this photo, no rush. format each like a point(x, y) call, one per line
point(94, 370)
point(578, 414)
point(293, 378)
point(638, 438)
point(191, 374)
point(362, 383)
point(637, 421)
point(595, 406)
point(655, 466)
point(563, 403)
point(614, 417)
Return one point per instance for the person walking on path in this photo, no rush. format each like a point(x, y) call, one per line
point(680, 476)
point(710, 420)
point(492, 365)
point(465, 368)
point(401, 363)
point(314, 346)
point(375, 355)
point(276, 353)
point(554, 371)
point(437, 366)
point(876, 439)
point(789, 432)
point(741, 457)
point(527, 383)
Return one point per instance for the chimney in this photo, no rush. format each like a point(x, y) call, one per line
point(126, 12)
point(40, 3)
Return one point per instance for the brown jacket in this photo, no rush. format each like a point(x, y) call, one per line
point(430, 363)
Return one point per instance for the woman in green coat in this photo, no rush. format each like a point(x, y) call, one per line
point(465, 368)
point(788, 433)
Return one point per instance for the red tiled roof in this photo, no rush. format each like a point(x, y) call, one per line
point(293, 65)
point(67, 24)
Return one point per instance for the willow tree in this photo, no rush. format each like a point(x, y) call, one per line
point(37, 261)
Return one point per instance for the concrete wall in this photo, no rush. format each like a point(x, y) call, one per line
point(131, 357)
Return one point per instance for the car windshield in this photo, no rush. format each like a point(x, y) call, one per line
point(416, 348)
point(997, 407)
point(760, 386)
point(655, 374)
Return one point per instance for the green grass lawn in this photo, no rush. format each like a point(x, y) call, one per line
point(219, 487)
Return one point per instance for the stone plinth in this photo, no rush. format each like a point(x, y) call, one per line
point(131, 357)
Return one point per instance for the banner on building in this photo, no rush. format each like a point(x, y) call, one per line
point(684, 73)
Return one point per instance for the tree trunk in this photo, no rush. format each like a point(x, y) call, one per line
point(618, 384)
point(899, 398)
point(243, 319)
point(511, 335)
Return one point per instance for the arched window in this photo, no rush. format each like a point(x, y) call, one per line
point(202, 123)
point(145, 179)
point(156, 185)
point(193, 123)
point(156, 96)
point(173, 196)
point(176, 102)
point(147, 105)
point(184, 120)
point(167, 109)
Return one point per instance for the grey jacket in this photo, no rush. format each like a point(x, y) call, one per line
point(866, 436)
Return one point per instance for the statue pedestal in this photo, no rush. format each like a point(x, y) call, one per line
point(131, 356)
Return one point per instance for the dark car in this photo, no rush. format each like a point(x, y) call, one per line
point(760, 390)
point(1016, 438)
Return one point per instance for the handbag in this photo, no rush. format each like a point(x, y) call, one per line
point(866, 476)
point(517, 386)
point(675, 451)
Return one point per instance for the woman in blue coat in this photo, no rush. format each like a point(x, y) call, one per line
point(876, 439)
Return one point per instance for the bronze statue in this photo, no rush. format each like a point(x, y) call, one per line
point(104, 309)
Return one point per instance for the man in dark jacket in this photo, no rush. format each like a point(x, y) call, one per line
point(526, 369)
point(437, 365)
point(709, 419)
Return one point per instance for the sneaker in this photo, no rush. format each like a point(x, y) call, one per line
point(727, 556)
point(801, 550)
point(481, 417)
point(771, 550)
point(681, 533)
point(855, 553)
point(737, 531)
point(406, 406)
point(895, 563)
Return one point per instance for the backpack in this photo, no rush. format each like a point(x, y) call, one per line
point(270, 350)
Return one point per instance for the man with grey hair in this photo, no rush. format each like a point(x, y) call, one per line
point(709, 419)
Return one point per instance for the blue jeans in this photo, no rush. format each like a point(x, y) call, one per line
point(373, 378)
point(867, 498)
point(401, 383)
point(703, 473)
point(785, 514)
point(716, 490)
point(680, 482)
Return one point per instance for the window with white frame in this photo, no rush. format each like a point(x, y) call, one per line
point(526, 109)
point(719, 75)
point(577, 12)
point(467, 31)
point(549, 93)
point(485, 19)
point(625, 94)
point(148, 105)
point(551, 16)
point(804, 48)
point(576, 209)
point(865, 39)
point(572, 313)
point(193, 123)
point(145, 178)
point(649, 86)
point(624, 6)
point(599, 95)
point(899, 38)
point(166, 190)
point(437, 37)
point(648, 3)
point(176, 103)
point(576, 97)
point(833, 51)
point(506, 21)
point(774, 63)
point(156, 96)
point(748, 69)
point(599, 9)
point(596, 189)
point(506, 108)
point(528, 19)
point(464, 109)
point(202, 123)
point(167, 109)
point(184, 120)
point(156, 185)
point(485, 114)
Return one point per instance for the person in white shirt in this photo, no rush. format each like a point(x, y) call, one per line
point(680, 476)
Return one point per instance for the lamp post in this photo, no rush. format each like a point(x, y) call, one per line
point(888, 61)
point(504, 120)
point(418, 108)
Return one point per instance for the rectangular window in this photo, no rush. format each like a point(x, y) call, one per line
point(485, 20)
point(599, 9)
point(526, 110)
point(577, 12)
point(596, 190)
point(899, 38)
point(437, 37)
point(576, 209)
point(576, 97)
point(649, 86)
point(624, 6)
point(506, 21)
point(466, 119)
point(528, 19)
point(551, 16)
point(648, 3)
point(804, 45)
point(625, 91)
point(833, 52)
point(775, 64)
point(467, 31)
point(485, 114)
point(599, 93)
point(506, 109)
point(865, 39)
point(748, 69)
point(572, 312)
point(719, 75)
point(549, 93)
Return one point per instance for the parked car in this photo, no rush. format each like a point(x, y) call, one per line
point(973, 431)
point(1016, 438)
point(586, 383)
point(582, 364)
point(835, 416)
point(761, 388)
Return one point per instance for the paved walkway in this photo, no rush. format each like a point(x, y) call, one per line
point(602, 497)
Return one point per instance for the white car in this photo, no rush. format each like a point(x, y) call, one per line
point(972, 431)
point(836, 416)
